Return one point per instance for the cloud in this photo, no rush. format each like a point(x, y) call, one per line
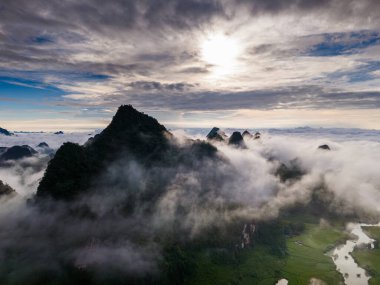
point(293, 54)
point(333, 8)
point(343, 43)
point(123, 257)
point(294, 97)
point(157, 86)
point(25, 174)
point(113, 229)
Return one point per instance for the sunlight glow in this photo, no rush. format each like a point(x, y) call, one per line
point(221, 51)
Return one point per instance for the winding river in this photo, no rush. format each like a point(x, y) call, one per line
point(346, 265)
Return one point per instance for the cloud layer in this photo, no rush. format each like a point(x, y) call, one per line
point(292, 55)
point(98, 233)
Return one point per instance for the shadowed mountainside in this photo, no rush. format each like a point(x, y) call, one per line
point(135, 206)
point(17, 152)
point(5, 189)
point(5, 132)
point(132, 135)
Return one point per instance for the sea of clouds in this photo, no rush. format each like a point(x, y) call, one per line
point(349, 170)
point(110, 242)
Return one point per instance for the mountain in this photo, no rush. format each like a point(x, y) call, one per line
point(247, 134)
point(5, 189)
point(131, 135)
point(42, 145)
point(2, 149)
point(17, 152)
point(45, 149)
point(5, 132)
point(236, 139)
point(216, 134)
point(133, 194)
point(131, 131)
point(324, 147)
point(290, 172)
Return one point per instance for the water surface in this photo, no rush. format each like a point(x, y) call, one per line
point(346, 265)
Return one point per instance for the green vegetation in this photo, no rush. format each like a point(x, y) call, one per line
point(255, 266)
point(293, 246)
point(307, 255)
point(305, 258)
point(370, 258)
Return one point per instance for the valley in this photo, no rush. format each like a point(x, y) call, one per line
point(306, 258)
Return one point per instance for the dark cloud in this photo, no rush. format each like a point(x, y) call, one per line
point(182, 14)
point(339, 8)
point(304, 97)
point(141, 44)
point(155, 95)
point(157, 86)
point(27, 26)
point(276, 6)
point(22, 20)
point(96, 15)
point(195, 70)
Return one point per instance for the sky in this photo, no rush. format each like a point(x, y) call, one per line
point(67, 65)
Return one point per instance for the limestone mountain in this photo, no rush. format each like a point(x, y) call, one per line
point(131, 135)
point(247, 134)
point(17, 152)
point(5, 189)
point(42, 144)
point(216, 135)
point(324, 147)
point(236, 139)
point(5, 132)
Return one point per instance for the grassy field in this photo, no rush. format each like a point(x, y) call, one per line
point(370, 259)
point(306, 258)
point(258, 267)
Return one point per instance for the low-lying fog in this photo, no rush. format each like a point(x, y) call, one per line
point(349, 172)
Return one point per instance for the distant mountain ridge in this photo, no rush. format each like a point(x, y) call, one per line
point(17, 152)
point(5, 132)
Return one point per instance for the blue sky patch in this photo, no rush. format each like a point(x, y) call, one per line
point(363, 73)
point(335, 44)
point(42, 40)
point(94, 76)
point(16, 87)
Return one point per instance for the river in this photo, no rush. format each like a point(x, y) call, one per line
point(346, 265)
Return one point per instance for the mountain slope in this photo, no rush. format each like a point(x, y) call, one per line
point(132, 136)
point(17, 152)
point(5, 189)
point(5, 132)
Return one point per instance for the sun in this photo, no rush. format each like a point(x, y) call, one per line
point(221, 51)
